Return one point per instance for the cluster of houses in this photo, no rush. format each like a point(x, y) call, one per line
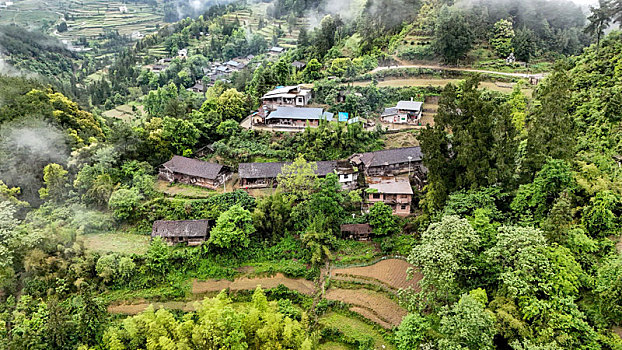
point(387, 176)
point(287, 107)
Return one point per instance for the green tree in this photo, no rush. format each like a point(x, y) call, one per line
point(123, 202)
point(524, 44)
point(602, 216)
point(298, 179)
point(472, 144)
point(501, 38)
point(312, 71)
point(55, 180)
point(382, 220)
point(609, 289)
point(599, 20)
point(467, 325)
point(233, 229)
point(272, 216)
point(551, 131)
point(232, 105)
point(413, 331)
point(319, 239)
point(445, 257)
point(453, 35)
point(181, 134)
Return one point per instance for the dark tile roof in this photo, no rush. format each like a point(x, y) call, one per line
point(356, 228)
point(390, 156)
point(272, 170)
point(193, 167)
point(184, 228)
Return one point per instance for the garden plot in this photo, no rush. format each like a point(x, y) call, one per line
point(390, 273)
point(245, 283)
point(353, 329)
point(381, 307)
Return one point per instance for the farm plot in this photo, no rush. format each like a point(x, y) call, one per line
point(352, 329)
point(372, 305)
point(389, 273)
point(439, 82)
point(245, 283)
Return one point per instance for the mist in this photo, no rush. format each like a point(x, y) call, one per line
point(25, 148)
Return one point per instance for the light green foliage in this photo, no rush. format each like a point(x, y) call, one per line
point(298, 179)
point(231, 105)
point(156, 102)
point(501, 38)
point(602, 216)
point(107, 267)
point(217, 324)
point(518, 103)
point(228, 128)
point(319, 239)
point(445, 255)
point(609, 288)
point(467, 325)
point(181, 134)
point(382, 220)
point(233, 229)
point(123, 202)
point(412, 332)
point(534, 200)
point(312, 70)
point(55, 179)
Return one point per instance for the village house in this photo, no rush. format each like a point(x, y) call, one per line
point(194, 172)
point(158, 68)
point(234, 65)
point(276, 50)
point(392, 162)
point(395, 192)
point(299, 65)
point(293, 117)
point(359, 232)
point(190, 232)
point(406, 112)
point(182, 53)
point(198, 87)
point(348, 175)
point(286, 96)
point(261, 175)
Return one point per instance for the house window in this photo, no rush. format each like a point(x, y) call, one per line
point(403, 207)
point(376, 195)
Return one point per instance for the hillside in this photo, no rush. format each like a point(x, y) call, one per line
point(313, 175)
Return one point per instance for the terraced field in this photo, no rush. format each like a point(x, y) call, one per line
point(390, 274)
point(372, 305)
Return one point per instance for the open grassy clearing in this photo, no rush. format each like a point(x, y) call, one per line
point(354, 329)
point(124, 243)
point(401, 139)
point(183, 190)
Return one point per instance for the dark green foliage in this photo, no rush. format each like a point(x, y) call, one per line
point(479, 152)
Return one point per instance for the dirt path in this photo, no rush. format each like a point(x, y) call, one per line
point(245, 283)
point(215, 286)
point(515, 75)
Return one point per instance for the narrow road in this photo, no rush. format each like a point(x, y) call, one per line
point(515, 75)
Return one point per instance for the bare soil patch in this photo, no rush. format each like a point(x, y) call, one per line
point(390, 272)
point(384, 308)
point(245, 283)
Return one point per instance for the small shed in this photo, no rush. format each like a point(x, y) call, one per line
point(359, 232)
point(190, 232)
